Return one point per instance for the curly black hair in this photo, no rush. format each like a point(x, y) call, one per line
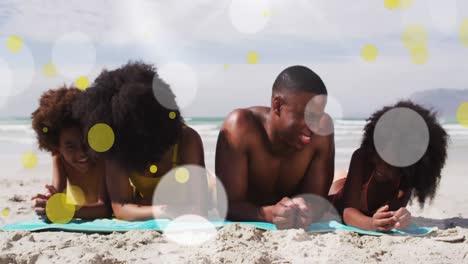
point(423, 177)
point(54, 114)
point(125, 100)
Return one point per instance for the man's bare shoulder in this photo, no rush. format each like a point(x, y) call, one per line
point(242, 124)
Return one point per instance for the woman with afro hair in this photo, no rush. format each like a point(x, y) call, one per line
point(150, 139)
point(374, 195)
point(60, 134)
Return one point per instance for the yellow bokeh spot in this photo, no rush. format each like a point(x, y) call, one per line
point(227, 66)
point(49, 69)
point(58, 210)
point(391, 4)
point(82, 82)
point(252, 57)
point(5, 212)
point(266, 14)
point(172, 115)
point(182, 175)
point(14, 44)
point(101, 137)
point(75, 195)
point(153, 169)
point(405, 3)
point(29, 160)
point(419, 55)
point(45, 129)
point(415, 36)
point(463, 32)
point(462, 114)
point(369, 52)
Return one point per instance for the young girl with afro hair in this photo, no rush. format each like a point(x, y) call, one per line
point(74, 172)
point(374, 195)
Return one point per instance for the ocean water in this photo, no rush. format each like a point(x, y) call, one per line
point(17, 137)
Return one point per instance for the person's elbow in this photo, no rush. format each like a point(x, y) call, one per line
point(348, 215)
point(121, 213)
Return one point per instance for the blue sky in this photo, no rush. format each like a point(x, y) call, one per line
point(325, 35)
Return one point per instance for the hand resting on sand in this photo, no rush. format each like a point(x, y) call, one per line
point(384, 220)
point(292, 213)
point(40, 201)
point(404, 218)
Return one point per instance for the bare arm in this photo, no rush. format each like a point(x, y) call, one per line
point(232, 169)
point(352, 194)
point(102, 208)
point(352, 214)
point(59, 177)
point(59, 182)
point(192, 154)
point(121, 196)
point(319, 175)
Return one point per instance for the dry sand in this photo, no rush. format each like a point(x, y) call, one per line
point(233, 243)
point(241, 244)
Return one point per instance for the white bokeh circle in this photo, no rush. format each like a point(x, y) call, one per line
point(218, 200)
point(324, 211)
point(17, 71)
point(316, 117)
point(187, 190)
point(21, 65)
point(401, 137)
point(334, 108)
point(322, 208)
point(190, 230)
point(443, 14)
point(183, 82)
point(248, 16)
point(7, 81)
point(439, 16)
point(74, 54)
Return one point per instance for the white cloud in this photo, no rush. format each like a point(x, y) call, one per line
point(171, 28)
point(124, 21)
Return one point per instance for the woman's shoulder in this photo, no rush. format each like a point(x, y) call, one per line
point(363, 159)
point(189, 137)
point(188, 133)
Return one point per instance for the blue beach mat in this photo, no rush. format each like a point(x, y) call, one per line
point(114, 225)
point(331, 226)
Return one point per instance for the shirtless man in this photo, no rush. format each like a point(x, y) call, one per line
point(267, 156)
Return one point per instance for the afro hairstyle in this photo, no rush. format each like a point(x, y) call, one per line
point(53, 114)
point(126, 100)
point(423, 176)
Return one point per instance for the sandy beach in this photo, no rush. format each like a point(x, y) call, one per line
point(243, 244)
point(205, 59)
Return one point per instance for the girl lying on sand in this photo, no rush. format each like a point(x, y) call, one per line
point(374, 195)
point(60, 134)
point(150, 139)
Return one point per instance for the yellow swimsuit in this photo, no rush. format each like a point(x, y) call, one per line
point(145, 186)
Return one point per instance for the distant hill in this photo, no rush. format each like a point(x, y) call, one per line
point(444, 101)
